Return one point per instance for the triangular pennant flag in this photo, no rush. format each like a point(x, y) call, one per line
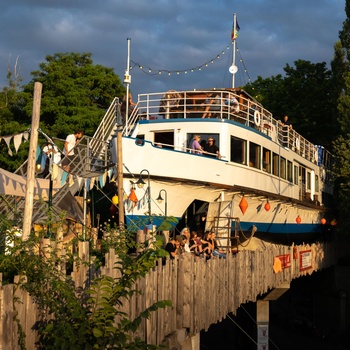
point(92, 182)
point(64, 178)
point(26, 135)
point(17, 140)
point(8, 140)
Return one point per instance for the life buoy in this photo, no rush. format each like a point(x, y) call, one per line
point(257, 118)
point(297, 143)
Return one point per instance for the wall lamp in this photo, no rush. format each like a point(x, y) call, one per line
point(160, 200)
point(140, 183)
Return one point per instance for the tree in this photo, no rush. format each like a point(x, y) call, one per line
point(304, 94)
point(341, 72)
point(76, 93)
point(12, 118)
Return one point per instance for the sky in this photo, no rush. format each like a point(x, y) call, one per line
point(188, 41)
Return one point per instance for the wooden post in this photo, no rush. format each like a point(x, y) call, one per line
point(28, 208)
point(262, 320)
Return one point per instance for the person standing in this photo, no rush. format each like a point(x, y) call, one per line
point(196, 148)
point(68, 151)
point(211, 149)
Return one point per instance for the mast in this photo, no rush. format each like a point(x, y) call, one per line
point(233, 68)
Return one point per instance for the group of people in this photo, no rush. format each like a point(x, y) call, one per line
point(215, 104)
point(66, 158)
point(195, 243)
point(209, 148)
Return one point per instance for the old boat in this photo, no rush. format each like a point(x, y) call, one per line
point(268, 179)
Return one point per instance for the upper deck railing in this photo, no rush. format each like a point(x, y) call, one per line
point(235, 105)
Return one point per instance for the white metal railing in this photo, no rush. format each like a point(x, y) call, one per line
point(195, 104)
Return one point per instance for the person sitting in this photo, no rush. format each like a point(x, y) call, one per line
point(173, 248)
point(196, 243)
point(214, 246)
point(211, 149)
point(213, 105)
point(232, 104)
point(196, 148)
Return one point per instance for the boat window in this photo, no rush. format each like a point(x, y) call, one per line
point(290, 171)
point(238, 152)
point(275, 164)
point(283, 174)
point(266, 160)
point(296, 175)
point(164, 139)
point(317, 185)
point(254, 155)
point(308, 180)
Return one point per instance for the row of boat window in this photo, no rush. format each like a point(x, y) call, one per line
point(270, 162)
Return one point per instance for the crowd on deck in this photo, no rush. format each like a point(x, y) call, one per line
point(197, 243)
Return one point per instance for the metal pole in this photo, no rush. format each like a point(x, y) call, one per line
point(127, 81)
point(234, 49)
point(49, 215)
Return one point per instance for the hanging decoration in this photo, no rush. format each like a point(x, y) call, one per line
point(113, 209)
point(169, 72)
point(115, 200)
point(267, 206)
point(132, 196)
point(323, 221)
point(298, 220)
point(243, 205)
point(17, 140)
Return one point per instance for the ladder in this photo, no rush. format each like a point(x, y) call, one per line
point(227, 230)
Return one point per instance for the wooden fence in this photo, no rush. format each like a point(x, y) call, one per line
point(202, 292)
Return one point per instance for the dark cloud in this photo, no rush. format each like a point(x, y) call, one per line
point(172, 35)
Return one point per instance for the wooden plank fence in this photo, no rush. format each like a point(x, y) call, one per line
point(202, 292)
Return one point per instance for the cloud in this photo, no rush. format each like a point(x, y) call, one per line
point(172, 35)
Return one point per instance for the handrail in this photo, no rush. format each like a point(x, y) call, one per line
point(193, 104)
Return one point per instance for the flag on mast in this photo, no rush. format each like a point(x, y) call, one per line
point(234, 33)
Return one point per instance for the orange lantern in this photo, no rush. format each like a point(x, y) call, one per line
point(298, 220)
point(334, 222)
point(243, 205)
point(132, 196)
point(267, 206)
point(323, 221)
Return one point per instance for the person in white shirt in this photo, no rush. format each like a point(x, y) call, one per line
point(68, 150)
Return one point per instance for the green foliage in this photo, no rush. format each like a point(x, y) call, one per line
point(76, 94)
point(83, 318)
point(304, 95)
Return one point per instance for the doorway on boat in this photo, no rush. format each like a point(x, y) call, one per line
point(194, 216)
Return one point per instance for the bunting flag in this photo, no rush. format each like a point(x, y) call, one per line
point(17, 140)
point(234, 34)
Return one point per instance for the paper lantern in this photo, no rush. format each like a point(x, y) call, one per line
point(115, 200)
point(298, 220)
point(132, 196)
point(243, 205)
point(323, 221)
point(267, 206)
point(113, 209)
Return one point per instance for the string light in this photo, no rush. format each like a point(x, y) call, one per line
point(169, 72)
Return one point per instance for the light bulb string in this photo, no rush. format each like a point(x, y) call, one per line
point(160, 71)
